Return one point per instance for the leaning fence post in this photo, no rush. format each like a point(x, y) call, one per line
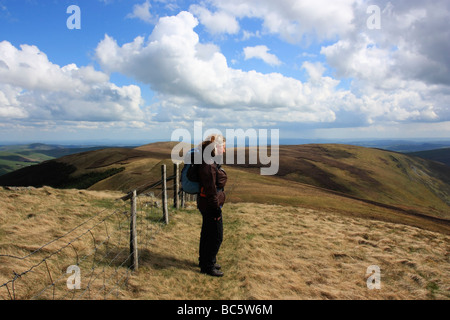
point(164, 194)
point(176, 187)
point(133, 234)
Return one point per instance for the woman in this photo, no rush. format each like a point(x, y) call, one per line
point(212, 197)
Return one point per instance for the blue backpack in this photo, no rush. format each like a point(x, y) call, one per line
point(189, 175)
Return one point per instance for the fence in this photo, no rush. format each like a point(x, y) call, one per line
point(94, 259)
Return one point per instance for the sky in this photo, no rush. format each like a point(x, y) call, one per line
point(139, 69)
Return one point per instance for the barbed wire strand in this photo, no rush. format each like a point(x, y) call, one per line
point(50, 255)
point(52, 241)
point(148, 229)
point(126, 276)
point(93, 252)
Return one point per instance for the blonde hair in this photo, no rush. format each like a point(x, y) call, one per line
point(216, 139)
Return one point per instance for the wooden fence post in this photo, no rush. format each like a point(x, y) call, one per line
point(183, 199)
point(176, 187)
point(133, 234)
point(164, 194)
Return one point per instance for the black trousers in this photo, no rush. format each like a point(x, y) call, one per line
point(211, 238)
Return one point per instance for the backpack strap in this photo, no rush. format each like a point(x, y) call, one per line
point(202, 192)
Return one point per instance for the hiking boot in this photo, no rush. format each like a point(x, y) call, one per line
point(213, 272)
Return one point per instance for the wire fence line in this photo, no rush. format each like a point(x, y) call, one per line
point(94, 259)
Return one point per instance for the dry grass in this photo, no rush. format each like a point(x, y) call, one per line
point(269, 251)
point(34, 224)
point(277, 252)
point(305, 254)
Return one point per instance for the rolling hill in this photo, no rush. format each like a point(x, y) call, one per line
point(310, 232)
point(333, 177)
point(14, 157)
point(375, 175)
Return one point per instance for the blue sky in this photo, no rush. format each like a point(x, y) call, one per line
point(138, 70)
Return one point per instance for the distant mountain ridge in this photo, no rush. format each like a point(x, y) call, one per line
point(14, 157)
point(440, 155)
point(404, 146)
point(378, 176)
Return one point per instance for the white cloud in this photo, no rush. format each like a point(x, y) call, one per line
point(33, 88)
point(295, 21)
point(217, 22)
point(142, 12)
point(186, 73)
point(261, 52)
point(248, 34)
point(399, 71)
point(193, 80)
point(397, 75)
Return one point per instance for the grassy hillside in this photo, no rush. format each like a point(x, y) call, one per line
point(269, 252)
point(126, 169)
point(371, 174)
point(379, 177)
point(309, 232)
point(11, 161)
point(14, 157)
